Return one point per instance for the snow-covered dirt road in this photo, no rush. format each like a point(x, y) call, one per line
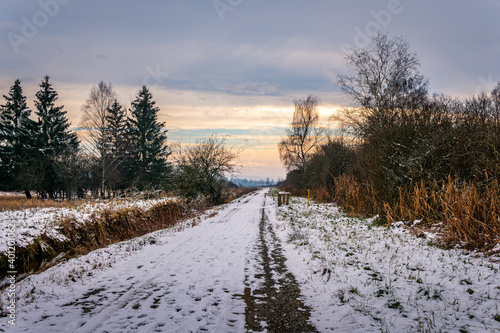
point(219, 276)
point(249, 266)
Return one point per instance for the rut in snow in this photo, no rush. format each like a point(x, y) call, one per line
point(272, 294)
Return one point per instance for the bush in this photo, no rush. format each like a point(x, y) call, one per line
point(418, 157)
point(201, 169)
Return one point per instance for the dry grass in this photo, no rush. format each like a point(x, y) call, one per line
point(231, 194)
point(102, 229)
point(19, 202)
point(321, 195)
point(113, 226)
point(459, 212)
point(466, 216)
point(356, 199)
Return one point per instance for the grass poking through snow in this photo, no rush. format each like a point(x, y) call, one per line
point(359, 277)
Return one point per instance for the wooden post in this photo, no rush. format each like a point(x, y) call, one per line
point(283, 198)
point(308, 194)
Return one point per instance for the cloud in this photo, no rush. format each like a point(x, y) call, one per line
point(260, 48)
point(245, 71)
point(246, 88)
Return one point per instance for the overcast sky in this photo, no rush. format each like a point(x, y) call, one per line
point(235, 66)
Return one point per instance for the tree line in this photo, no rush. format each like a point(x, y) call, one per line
point(117, 149)
point(254, 183)
point(35, 153)
point(398, 141)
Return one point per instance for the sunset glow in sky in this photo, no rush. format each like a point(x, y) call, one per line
point(235, 67)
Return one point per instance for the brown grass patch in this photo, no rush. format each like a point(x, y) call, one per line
point(460, 213)
point(357, 199)
point(231, 194)
point(213, 214)
point(103, 229)
point(466, 215)
point(18, 202)
point(321, 195)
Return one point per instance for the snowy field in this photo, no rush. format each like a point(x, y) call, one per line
point(359, 278)
point(193, 278)
point(33, 222)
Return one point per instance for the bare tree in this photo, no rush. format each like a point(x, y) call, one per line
point(303, 136)
point(94, 120)
point(202, 168)
point(495, 96)
point(384, 77)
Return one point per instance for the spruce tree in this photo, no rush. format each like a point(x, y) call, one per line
point(53, 138)
point(119, 145)
point(148, 138)
point(15, 109)
point(16, 138)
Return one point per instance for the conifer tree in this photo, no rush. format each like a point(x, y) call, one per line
point(148, 138)
point(119, 145)
point(16, 139)
point(53, 138)
point(15, 109)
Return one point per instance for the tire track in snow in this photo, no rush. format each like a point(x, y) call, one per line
point(225, 275)
point(272, 294)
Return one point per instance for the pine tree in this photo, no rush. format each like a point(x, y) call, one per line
point(53, 138)
point(15, 109)
point(119, 145)
point(148, 137)
point(16, 139)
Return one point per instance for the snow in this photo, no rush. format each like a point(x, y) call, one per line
point(354, 277)
point(182, 279)
point(32, 223)
point(360, 278)
point(2, 193)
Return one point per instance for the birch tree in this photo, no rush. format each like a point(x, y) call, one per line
point(303, 135)
point(95, 113)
